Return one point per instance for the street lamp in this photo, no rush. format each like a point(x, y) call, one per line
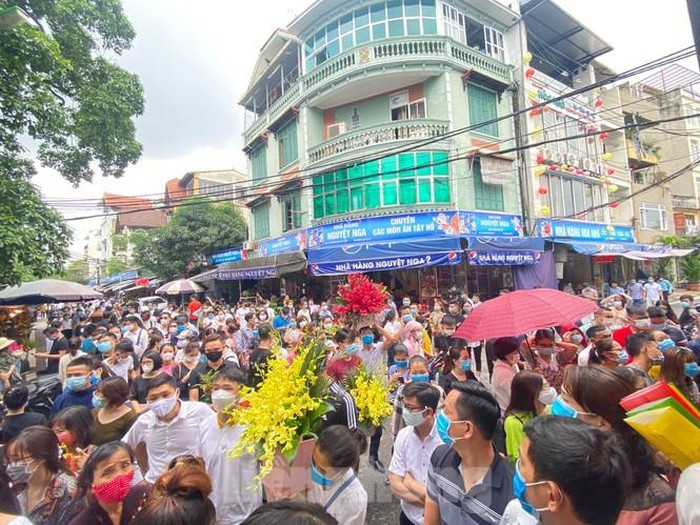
point(13, 16)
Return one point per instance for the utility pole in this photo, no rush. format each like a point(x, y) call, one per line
point(694, 13)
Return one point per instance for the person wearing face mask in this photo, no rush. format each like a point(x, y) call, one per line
point(79, 388)
point(16, 417)
point(594, 334)
point(413, 338)
point(645, 353)
point(457, 368)
point(636, 292)
point(418, 372)
point(680, 367)
point(653, 292)
point(183, 371)
point(568, 474)
point(136, 334)
point(609, 353)
point(213, 348)
point(112, 417)
point(593, 394)
point(530, 395)
point(345, 361)
point(506, 352)
point(335, 483)
point(413, 447)
point(151, 362)
point(106, 482)
point(232, 479)
point(456, 312)
point(436, 316)
point(689, 319)
point(548, 356)
point(58, 347)
point(659, 322)
point(75, 429)
point(40, 478)
point(167, 429)
point(637, 322)
point(121, 360)
point(167, 354)
point(467, 478)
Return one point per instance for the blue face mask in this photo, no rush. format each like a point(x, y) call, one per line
point(352, 349)
point(94, 380)
point(466, 366)
point(692, 369)
point(76, 383)
point(103, 346)
point(666, 344)
point(292, 324)
point(255, 333)
point(519, 486)
point(401, 364)
point(406, 302)
point(443, 425)
point(623, 357)
point(417, 378)
point(97, 402)
point(407, 318)
point(685, 304)
point(562, 408)
point(179, 329)
point(88, 345)
point(125, 330)
point(319, 478)
point(367, 339)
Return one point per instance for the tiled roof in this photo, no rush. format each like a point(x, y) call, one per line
point(122, 202)
point(142, 219)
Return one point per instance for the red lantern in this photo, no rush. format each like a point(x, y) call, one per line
point(542, 191)
point(599, 102)
point(554, 167)
point(579, 171)
point(611, 171)
point(530, 72)
point(540, 159)
point(603, 136)
point(614, 205)
point(534, 112)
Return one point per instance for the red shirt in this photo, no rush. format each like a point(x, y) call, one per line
point(193, 307)
point(621, 334)
point(339, 369)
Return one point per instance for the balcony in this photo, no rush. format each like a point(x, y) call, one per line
point(403, 56)
point(381, 134)
point(685, 202)
point(640, 155)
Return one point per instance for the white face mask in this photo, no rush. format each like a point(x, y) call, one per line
point(191, 359)
point(642, 323)
point(162, 407)
point(547, 397)
point(167, 356)
point(221, 399)
point(147, 369)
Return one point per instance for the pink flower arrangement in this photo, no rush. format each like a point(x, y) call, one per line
point(360, 297)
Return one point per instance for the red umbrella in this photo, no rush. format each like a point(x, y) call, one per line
point(519, 312)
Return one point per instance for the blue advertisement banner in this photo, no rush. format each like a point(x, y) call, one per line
point(292, 242)
point(504, 258)
point(583, 231)
point(411, 225)
point(226, 256)
point(247, 273)
point(386, 263)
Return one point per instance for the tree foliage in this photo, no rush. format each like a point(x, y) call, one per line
point(114, 266)
point(197, 229)
point(61, 90)
point(76, 271)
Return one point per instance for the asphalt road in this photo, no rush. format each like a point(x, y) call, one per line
point(383, 508)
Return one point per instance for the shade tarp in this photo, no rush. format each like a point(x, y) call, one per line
point(269, 267)
point(179, 287)
point(378, 256)
point(47, 291)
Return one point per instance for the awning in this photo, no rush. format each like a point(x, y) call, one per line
point(504, 251)
point(269, 267)
point(378, 256)
point(205, 276)
point(630, 250)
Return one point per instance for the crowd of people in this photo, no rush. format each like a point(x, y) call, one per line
point(515, 430)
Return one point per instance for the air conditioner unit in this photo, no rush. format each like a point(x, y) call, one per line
point(336, 129)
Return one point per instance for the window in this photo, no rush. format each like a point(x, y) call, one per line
point(471, 33)
point(261, 220)
point(573, 197)
point(455, 23)
point(291, 211)
point(694, 150)
point(494, 43)
point(693, 122)
point(483, 107)
point(402, 109)
point(388, 19)
point(258, 163)
point(287, 143)
point(653, 216)
point(488, 196)
point(408, 178)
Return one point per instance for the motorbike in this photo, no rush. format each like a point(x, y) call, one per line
point(42, 392)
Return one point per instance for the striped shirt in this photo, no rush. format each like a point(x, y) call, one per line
point(344, 409)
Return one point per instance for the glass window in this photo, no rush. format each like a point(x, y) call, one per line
point(362, 36)
point(333, 48)
point(429, 26)
point(412, 7)
point(287, 143)
point(396, 28)
point(488, 196)
point(395, 9)
point(332, 31)
point(291, 211)
point(378, 12)
point(346, 24)
point(483, 107)
point(653, 216)
point(413, 27)
point(378, 31)
point(428, 8)
point(361, 17)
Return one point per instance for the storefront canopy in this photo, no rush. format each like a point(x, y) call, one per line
point(378, 256)
point(259, 267)
point(630, 250)
point(510, 251)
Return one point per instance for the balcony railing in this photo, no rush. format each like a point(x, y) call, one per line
point(385, 53)
point(390, 132)
point(684, 201)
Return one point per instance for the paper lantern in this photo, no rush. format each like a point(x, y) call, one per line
point(537, 132)
point(540, 170)
point(603, 136)
point(527, 57)
point(597, 92)
point(611, 171)
point(554, 167)
point(571, 169)
point(613, 188)
point(604, 179)
point(530, 72)
point(534, 112)
point(564, 167)
point(599, 102)
point(610, 228)
point(545, 211)
point(540, 159)
point(579, 171)
point(614, 205)
point(607, 156)
point(543, 191)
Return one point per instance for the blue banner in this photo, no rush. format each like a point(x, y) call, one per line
point(412, 225)
point(381, 250)
point(291, 242)
point(562, 230)
point(386, 263)
point(247, 273)
point(503, 258)
point(226, 256)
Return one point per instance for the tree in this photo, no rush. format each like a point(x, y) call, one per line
point(114, 266)
point(60, 90)
point(196, 229)
point(76, 271)
point(690, 264)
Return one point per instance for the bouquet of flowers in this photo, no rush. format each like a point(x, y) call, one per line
point(371, 397)
point(286, 408)
point(360, 297)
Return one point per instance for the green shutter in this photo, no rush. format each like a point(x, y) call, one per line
point(488, 196)
point(287, 138)
point(483, 106)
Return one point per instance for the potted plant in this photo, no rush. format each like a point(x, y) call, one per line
point(690, 266)
point(281, 417)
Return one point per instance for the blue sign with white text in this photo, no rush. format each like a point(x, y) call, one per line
point(583, 231)
point(227, 256)
point(503, 258)
point(411, 225)
point(386, 263)
point(291, 242)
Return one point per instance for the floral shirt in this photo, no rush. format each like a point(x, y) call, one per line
point(58, 506)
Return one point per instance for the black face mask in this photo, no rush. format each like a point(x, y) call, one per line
point(214, 356)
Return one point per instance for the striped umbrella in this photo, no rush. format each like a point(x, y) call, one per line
point(179, 287)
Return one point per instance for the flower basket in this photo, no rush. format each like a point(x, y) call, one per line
point(371, 397)
point(360, 300)
point(281, 417)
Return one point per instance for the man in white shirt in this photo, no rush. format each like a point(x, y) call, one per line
point(234, 493)
point(408, 471)
point(167, 430)
point(653, 292)
point(137, 335)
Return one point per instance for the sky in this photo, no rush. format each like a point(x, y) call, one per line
point(195, 60)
